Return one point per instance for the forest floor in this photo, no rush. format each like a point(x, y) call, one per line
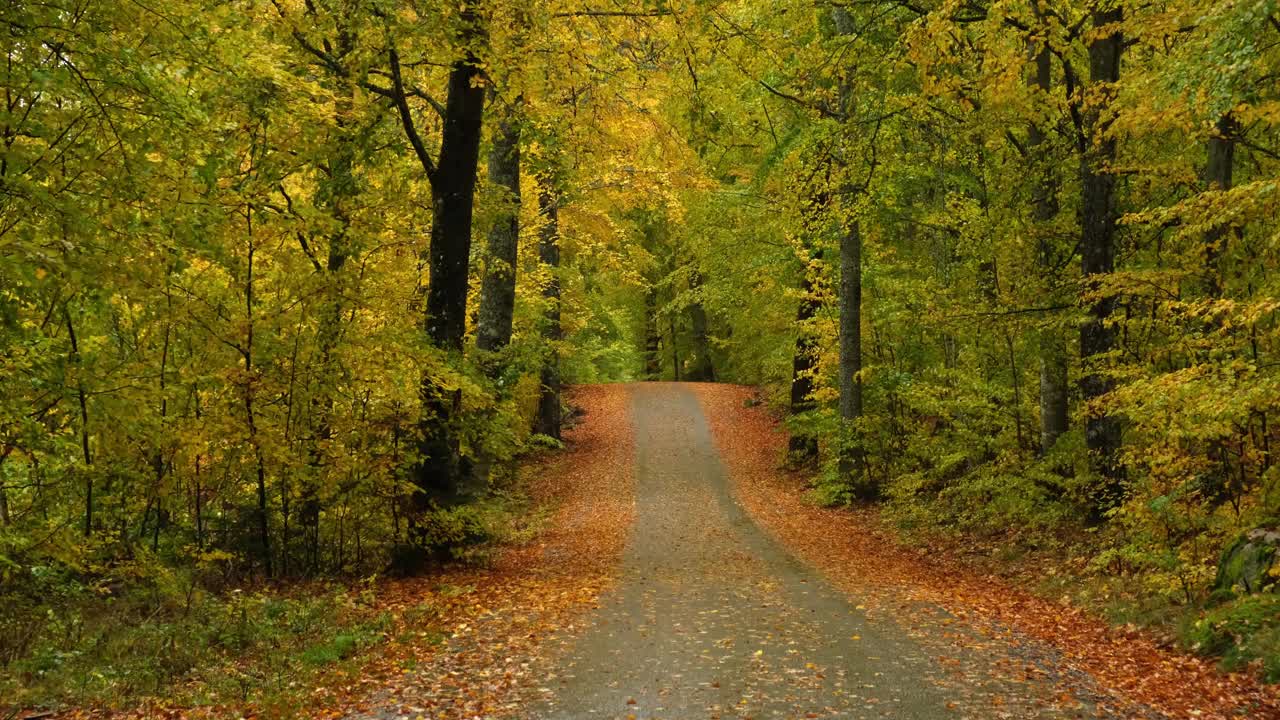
point(1058, 654)
point(721, 592)
point(682, 574)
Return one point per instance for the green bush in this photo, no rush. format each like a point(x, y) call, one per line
point(1242, 631)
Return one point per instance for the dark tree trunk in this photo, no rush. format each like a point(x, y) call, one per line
point(703, 369)
point(5, 519)
point(803, 448)
point(1098, 254)
point(249, 397)
point(548, 419)
point(83, 401)
point(851, 354)
point(498, 289)
point(652, 338)
point(440, 474)
point(675, 348)
point(1053, 388)
point(1217, 176)
point(1054, 409)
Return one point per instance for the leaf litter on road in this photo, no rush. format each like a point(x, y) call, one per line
point(940, 596)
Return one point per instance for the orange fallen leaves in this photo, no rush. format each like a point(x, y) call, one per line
point(494, 620)
point(854, 551)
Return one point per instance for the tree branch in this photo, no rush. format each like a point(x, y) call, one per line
point(611, 13)
point(406, 117)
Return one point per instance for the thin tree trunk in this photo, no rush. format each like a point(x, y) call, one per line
point(1052, 347)
point(199, 502)
point(1217, 176)
point(1098, 253)
point(548, 419)
point(1017, 391)
point(802, 448)
point(675, 350)
point(703, 369)
point(249, 392)
point(851, 353)
point(652, 338)
point(338, 192)
point(5, 519)
point(498, 289)
point(82, 398)
point(157, 455)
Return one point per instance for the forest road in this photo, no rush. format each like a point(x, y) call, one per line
point(711, 618)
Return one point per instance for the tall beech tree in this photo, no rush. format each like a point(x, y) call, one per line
point(1099, 218)
point(439, 474)
point(498, 293)
point(547, 419)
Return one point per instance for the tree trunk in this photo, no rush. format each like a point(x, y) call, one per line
point(336, 195)
point(652, 338)
point(803, 448)
point(675, 349)
point(703, 369)
point(1054, 409)
point(1217, 176)
point(82, 397)
point(548, 420)
point(1053, 388)
point(440, 473)
point(249, 394)
point(498, 289)
point(1098, 252)
point(5, 519)
point(851, 354)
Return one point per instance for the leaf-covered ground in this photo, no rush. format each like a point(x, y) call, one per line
point(682, 574)
point(955, 608)
point(484, 667)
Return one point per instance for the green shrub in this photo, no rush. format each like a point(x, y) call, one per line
point(1242, 631)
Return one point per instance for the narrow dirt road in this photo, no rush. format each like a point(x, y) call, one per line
point(711, 618)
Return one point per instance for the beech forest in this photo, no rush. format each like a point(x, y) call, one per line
point(340, 341)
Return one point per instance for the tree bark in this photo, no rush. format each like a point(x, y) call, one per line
point(703, 369)
point(82, 397)
point(548, 419)
point(851, 352)
point(1098, 253)
point(1054, 409)
point(1217, 176)
point(498, 288)
point(440, 474)
point(652, 338)
point(802, 448)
